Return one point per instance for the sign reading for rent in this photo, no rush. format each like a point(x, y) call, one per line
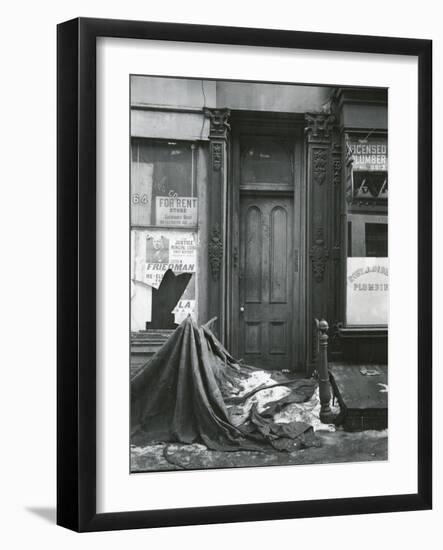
point(176, 211)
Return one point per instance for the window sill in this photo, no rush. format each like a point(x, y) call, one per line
point(364, 331)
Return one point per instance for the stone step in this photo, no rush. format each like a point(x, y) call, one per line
point(362, 392)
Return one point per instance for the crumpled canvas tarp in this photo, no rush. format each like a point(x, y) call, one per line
point(192, 388)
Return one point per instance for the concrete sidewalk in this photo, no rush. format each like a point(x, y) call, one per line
point(330, 447)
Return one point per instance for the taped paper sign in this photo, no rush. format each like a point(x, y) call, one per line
point(367, 291)
point(176, 211)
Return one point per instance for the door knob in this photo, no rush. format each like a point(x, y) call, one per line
point(242, 309)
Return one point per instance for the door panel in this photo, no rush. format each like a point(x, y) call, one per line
point(278, 253)
point(266, 281)
point(253, 255)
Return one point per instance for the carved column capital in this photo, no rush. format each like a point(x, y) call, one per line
point(218, 134)
point(319, 126)
point(219, 125)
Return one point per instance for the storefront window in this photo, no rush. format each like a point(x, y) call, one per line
point(164, 233)
point(367, 283)
point(163, 184)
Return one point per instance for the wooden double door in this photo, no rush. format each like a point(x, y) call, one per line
point(268, 264)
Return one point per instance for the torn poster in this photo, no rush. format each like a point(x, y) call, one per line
point(187, 303)
point(164, 249)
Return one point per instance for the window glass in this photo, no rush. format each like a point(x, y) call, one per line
point(163, 184)
point(266, 160)
point(367, 283)
point(369, 189)
point(376, 237)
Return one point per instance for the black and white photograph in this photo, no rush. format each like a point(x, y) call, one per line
point(258, 274)
point(228, 337)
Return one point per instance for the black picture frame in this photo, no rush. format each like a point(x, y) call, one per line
point(76, 281)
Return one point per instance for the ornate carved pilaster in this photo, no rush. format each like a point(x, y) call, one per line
point(337, 246)
point(319, 254)
point(217, 231)
point(337, 171)
point(319, 165)
point(216, 155)
point(218, 135)
point(215, 251)
point(321, 177)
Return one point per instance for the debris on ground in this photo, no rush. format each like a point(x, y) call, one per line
point(193, 401)
point(193, 391)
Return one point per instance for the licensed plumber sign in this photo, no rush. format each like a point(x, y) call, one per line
point(369, 154)
point(176, 211)
point(367, 291)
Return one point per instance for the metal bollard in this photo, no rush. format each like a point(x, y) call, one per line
point(326, 415)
